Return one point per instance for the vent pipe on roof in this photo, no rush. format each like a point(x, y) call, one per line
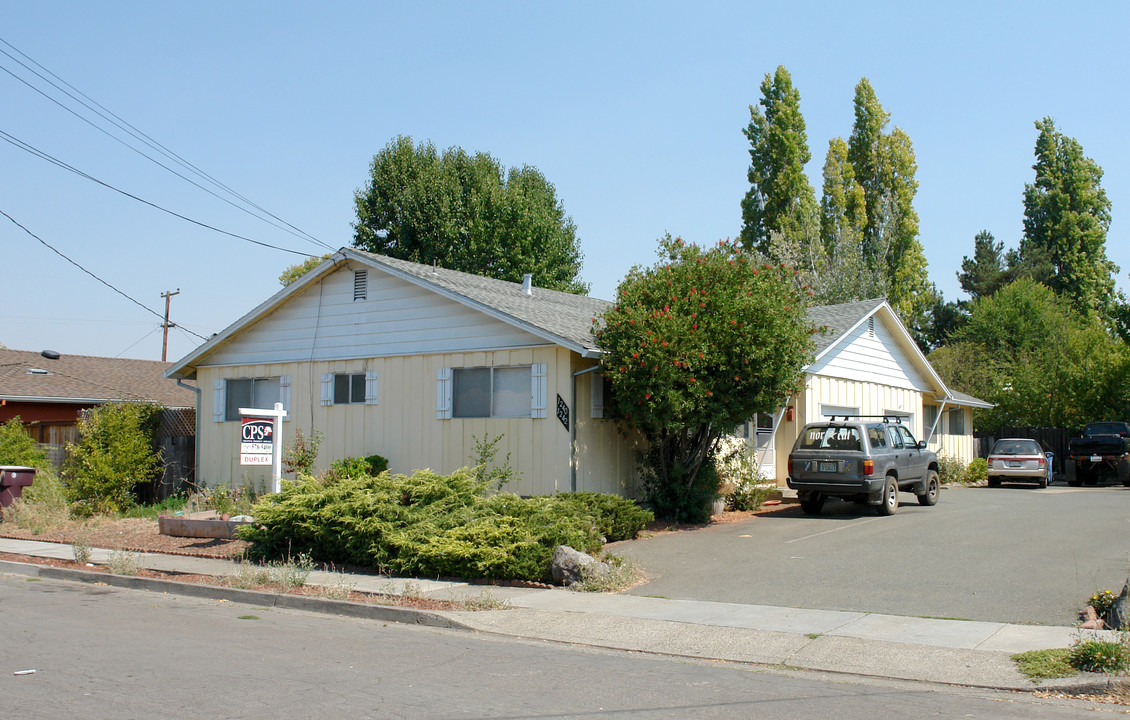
point(528, 283)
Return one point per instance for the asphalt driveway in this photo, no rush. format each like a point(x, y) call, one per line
point(1013, 554)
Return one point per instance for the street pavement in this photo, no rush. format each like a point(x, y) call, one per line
point(969, 653)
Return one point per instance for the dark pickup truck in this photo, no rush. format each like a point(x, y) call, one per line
point(1102, 451)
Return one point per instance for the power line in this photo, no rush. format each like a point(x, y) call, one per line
point(80, 267)
point(143, 137)
point(143, 337)
point(32, 150)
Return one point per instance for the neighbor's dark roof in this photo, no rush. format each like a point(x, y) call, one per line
point(87, 379)
point(565, 315)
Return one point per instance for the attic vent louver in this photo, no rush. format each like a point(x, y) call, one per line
point(871, 326)
point(360, 285)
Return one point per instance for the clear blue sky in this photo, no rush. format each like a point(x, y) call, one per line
point(633, 110)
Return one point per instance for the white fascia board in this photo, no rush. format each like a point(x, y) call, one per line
point(902, 336)
point(474, 305)
point(185, 368)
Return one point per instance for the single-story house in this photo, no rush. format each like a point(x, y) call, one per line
point(866, 363)
point(47, 390)
point(418, 364)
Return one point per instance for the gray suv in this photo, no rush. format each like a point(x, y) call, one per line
point(864, 459)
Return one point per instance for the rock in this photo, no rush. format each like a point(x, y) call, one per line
point(1091, 620)
point(572, 566)
point(1118, 616)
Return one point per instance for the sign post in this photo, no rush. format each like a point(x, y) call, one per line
point(260, 441)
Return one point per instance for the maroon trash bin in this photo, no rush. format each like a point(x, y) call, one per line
point(13, 480)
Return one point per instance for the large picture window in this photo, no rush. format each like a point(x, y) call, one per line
point(491, 392)
point(250, 393)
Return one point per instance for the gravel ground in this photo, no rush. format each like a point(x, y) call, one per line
point(135, 534)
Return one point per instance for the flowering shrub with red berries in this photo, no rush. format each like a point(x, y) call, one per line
point(693, 346)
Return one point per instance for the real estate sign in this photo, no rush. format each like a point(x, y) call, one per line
point(256, 444)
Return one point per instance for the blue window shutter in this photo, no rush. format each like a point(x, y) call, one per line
point(371, 387)
point(327, 388)
point(219, 400)
point(443, 393)
point(539, 381)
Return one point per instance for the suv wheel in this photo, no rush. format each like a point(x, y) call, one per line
point(930, 495)
point(890, 498)
point(812, 503)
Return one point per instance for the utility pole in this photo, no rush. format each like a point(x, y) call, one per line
point(165, 340)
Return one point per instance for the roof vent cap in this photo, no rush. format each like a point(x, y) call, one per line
point(528, 283)
point(50, 354)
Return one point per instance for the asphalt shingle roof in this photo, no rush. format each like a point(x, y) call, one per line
point(839, 319)
point(84, 378)
point(566, 315)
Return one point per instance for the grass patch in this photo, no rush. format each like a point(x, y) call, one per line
point(284, 575)
point(1045, 664)
point(622, 574)
point(123, 562)
point(247, 617)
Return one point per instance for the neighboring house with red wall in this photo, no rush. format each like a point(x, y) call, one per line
point(47, 392)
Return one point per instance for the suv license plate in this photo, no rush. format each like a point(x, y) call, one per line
point(1096, 458)
point(829, 467)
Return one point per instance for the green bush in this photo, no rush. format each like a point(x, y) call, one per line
point(675, 498)
point(977, 471)
point(18, 448)
point(301, 452)
point(431, 525)
point(1105, 656)
point(950, 470)
point(114, 453)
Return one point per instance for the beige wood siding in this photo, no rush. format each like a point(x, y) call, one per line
point(605, 449)
point(403, 426)
point(870, 397)
point(946, 442)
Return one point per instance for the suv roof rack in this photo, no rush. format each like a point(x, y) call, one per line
point(896, 419)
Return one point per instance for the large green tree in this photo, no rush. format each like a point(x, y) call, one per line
point(884, 169)
point(990, 268)
point(780, 198)
point(1040, 361)
point(1066, 218)
point(466, 213)
point(695, 345)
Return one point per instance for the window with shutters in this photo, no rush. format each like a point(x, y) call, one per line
point(502, 392)
point(260, 393)
point(349, 388)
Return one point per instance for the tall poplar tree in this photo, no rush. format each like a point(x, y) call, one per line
point(1066, 218)
point(780, 198)
point(884, 168)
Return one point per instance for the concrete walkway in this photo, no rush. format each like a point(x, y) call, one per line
point(943, 651)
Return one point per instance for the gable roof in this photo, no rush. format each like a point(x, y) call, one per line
point(843, 318)
point(559, 317)
point(28, 376)
point(564, 318)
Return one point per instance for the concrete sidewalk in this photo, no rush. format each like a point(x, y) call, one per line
point(944, 651)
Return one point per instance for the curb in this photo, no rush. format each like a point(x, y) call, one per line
point(345, 608)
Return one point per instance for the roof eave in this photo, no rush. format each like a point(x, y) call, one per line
point(185, 368)
point(473, 304)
